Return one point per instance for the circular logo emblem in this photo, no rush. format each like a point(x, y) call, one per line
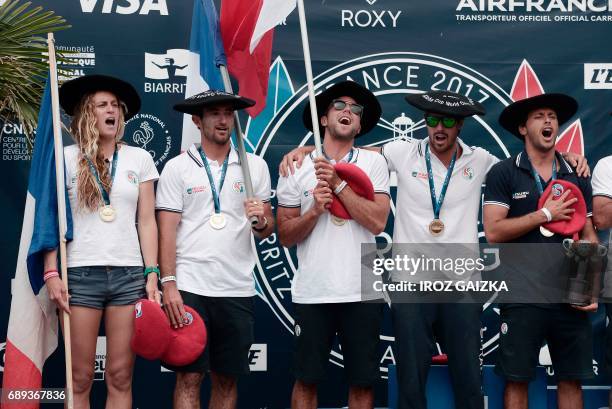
point(132, 177)
point(188, 320)
point(148, 132)
point(390, 76)
point(504, 328)
point(138, 309)
point(557, 190)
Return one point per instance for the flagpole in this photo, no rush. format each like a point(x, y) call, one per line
point(61, 208)
point(248, 183)
point(309, 81)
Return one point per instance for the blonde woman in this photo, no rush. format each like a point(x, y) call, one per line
point(112, 260)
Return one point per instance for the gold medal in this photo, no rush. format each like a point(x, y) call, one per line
point(217, 221)
point(436, 227)
point(107, 213)
point(338, 221)
point(545, 232)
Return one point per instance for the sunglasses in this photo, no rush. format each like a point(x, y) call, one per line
point(433, 121)
point(339, 105)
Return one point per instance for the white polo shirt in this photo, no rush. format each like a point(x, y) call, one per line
point(100, 243)
point(461, 204)
point(329, 259)
point(602, 186)
point(209, 262)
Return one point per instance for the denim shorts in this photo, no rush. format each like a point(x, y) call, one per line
point(101, 286)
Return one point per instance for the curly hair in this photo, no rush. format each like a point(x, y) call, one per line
point(85, 133)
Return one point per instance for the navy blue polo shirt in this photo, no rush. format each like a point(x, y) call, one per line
point(510, 183)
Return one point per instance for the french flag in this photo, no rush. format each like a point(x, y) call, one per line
point(33, 325)
point(247, 32)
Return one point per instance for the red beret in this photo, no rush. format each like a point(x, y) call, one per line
point(565, 227)
point(359, 182)
point(188, 342)
point(151, 330)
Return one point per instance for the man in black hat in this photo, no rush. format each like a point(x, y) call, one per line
point(326, 289)
point(443, 209)
point(206, 258)
point(511, 214)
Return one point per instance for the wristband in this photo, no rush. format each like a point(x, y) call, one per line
point(547, 214)
point(49, 274)
point(168, 278)
point(340, 187)
point(259, 229)
point(151, 269)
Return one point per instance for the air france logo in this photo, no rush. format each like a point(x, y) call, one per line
point(557, 190)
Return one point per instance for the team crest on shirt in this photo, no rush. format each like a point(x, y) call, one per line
point(238, 186)
point(390, 76)
point(132, 177)
point(557, 189)
point(468, 173)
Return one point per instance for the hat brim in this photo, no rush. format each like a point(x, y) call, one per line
point(462, 111)
point(515, 114)
point(195, 106)
point(371, 107)
point(358, 181)
point(578, 218)
point(72, 92)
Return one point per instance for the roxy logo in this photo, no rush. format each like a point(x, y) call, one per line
point(125, 6)
point(597, 76)
point(370, 18)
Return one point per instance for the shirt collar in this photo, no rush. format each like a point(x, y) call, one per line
point(343, 160)
point(522, 161)
point(194, 153)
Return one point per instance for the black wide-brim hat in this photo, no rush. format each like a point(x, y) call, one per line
point(72, 92)
point(516, 113)
point(361, 95)
point(196, 103)
point(446, 103)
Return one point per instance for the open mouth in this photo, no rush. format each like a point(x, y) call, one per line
point(440, 137)
point(344, 120)
point(547, 132)
point(110, 121)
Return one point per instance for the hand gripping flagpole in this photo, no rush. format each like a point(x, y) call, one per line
point(61, 208)
point(310, 82)
point(248, 183)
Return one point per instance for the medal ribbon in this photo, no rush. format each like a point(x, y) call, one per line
point(213, 188)
point(537, 178)
point(348, 160)
point(105, 194)
point(437, 204)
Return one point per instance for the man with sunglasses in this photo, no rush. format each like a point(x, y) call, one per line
point(442, 208)
point(326, 288)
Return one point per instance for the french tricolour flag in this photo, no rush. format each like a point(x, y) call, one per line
point(33, 326)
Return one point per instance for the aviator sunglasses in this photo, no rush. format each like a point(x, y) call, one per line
point(339, 105)
point(433, 121)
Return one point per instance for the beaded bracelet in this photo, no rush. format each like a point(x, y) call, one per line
point(151, 269)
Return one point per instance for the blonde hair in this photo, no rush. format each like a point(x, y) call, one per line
point(85, 133)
